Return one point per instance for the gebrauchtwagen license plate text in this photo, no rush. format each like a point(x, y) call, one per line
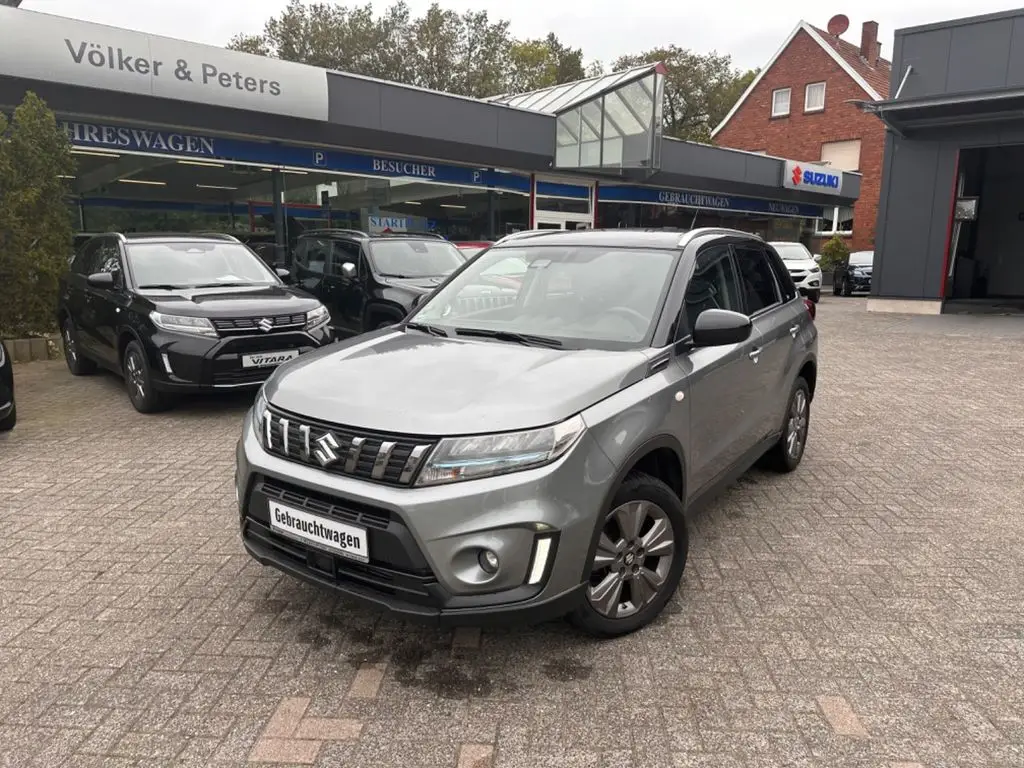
point(320, 532)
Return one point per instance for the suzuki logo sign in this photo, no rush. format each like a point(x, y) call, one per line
point(812, 178)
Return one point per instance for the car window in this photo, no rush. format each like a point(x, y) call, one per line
point(312, 254)
point(588, 296)
point(87, 261)
point(344, 251)
point(757, 282)
point(196, 263)
point(713, 285)
point(109, 256)
point(415, 258)
point(783, 279)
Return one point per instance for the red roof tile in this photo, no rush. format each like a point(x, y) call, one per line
point(877, 77)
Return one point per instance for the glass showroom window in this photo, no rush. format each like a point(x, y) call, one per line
point(780, 102)
point(838, 221)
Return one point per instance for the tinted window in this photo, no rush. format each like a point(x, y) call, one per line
point(195, 263)
point(109, 256)
point(312, 253)
point(713, 285)
point(757, 282)
point(87, 261)
point(415, 258)
point(344, 251)
point(590, 295)
point(782, 277)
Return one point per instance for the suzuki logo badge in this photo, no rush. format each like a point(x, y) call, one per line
point(266, 324)
point(325, 451)
point(798, 174)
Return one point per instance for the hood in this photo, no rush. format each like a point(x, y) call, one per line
point(232, 302)
point(805, 264)
point(410, 383)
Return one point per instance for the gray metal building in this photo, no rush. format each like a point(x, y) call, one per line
point(171, 133)
point(950, 233)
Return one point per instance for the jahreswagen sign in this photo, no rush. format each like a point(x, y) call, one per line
point(811, 178)
point(38, 46)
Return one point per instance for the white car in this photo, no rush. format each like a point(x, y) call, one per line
point(803, 268)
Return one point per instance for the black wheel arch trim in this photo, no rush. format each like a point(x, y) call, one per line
point(128, 330)
point(653, 444)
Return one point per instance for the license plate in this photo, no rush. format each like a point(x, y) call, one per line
point(320, 532)
point(268, 359)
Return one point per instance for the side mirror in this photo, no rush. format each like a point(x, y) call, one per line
point(817, 258)
point(283, 273)
point(348, 269)
point(101, 280)
point(720, 327)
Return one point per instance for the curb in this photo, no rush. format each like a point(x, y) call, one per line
point(33, 350)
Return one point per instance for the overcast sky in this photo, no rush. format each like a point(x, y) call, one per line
point(749, 30)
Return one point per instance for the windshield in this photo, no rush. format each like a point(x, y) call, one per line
point(470, 251)
point(593, 296)
point(862, 258)
point(197, 263)
point(415, 258)
point(792, 251)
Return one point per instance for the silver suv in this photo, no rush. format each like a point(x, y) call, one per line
point(526, 444)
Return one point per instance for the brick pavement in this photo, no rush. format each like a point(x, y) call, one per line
point(866, 611)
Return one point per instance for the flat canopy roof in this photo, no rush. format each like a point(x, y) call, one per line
point(949, 110)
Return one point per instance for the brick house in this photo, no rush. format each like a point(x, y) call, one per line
point(801, 106)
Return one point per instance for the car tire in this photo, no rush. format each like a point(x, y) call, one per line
point(814, 296)
point(837, 286)
point(7, 423)
point(77, 364)
point(139, 381)
point(786, 454)
point(847, 288)
point(625, 563)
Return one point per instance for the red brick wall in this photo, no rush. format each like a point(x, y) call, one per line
point(800, 136)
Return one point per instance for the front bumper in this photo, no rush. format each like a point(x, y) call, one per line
point(423, 542)
point(180, 363)
point(807, 283)
point(859, 282)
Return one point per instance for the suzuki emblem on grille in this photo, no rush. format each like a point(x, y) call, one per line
point(266, 324)
point(326, 447)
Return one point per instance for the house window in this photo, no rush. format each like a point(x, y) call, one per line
point(814, 97)
point(842, 155)
point(837, 221)
point(780, 102)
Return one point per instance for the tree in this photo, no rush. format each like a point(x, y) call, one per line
point(35, 223)
point(700, 88)
point(467, 54)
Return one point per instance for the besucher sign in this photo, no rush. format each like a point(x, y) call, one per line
point(811, 177)
point(39, 46)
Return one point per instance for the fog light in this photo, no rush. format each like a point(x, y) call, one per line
point(541, 552)
point(167, 363)
point(488, 561)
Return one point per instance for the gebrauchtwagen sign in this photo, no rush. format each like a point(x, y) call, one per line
point(812, 178)
point(38, 46)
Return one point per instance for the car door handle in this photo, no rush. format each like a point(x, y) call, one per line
point(794, 331)
point(754, 354)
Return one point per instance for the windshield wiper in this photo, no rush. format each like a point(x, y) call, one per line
point(225, 285)
point(162, 287)
point(433, 330)
point(520, 338)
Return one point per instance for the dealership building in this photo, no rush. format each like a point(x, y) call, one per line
point(172, 135)
point(950, 232)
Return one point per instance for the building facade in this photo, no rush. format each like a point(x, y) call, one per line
point(804, 105)
point(951, 215)
point(171, 135)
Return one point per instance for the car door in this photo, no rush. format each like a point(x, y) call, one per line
point(109, 303)
point(723, 393)
point(776, 313)
point(310, 263)
point(346, 273)
point(74, 296)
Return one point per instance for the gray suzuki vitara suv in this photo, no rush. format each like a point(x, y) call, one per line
point(526, 444)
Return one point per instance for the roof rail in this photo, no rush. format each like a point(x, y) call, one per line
point(334, 230)
point(169, 235)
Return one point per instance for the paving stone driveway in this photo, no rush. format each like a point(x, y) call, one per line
point(865, 611)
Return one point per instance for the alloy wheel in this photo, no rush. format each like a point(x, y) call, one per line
point(633, 558)
point(69, 344)
point(796, 425)
point(136, 376)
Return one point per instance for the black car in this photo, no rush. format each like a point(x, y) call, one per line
point(371, 281)
point(8, 411)
point(182, 313)
point(853, 274)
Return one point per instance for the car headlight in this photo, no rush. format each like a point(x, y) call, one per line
point(469, 458)
point(192, 326)
point(815, 270)
point(317, 317)
point(258, 407)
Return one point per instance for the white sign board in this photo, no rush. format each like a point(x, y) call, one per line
point(812, 178)
point(39, 46)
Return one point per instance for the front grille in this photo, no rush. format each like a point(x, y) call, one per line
point(252, 324)
point(346, 511)
point(379, 457)
point(798, 274)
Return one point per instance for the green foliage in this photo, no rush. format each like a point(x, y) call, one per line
point(35, 224)
point(833, 253)
point(467, 54)
point(700, 88)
